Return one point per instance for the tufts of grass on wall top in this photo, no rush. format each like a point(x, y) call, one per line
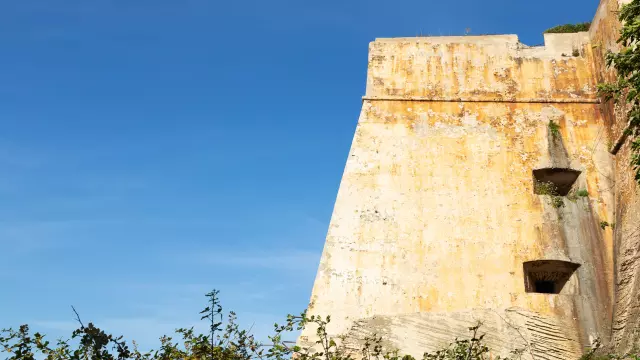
point(569, 28)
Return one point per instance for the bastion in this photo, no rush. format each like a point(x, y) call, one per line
point(443, 217)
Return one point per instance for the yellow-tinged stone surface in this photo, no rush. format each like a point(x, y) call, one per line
point(481, 68)
point(436, 212)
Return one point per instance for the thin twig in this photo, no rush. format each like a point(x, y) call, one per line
point(623, 137)
point(77, 316)
point(271, 345)
point(519, 333)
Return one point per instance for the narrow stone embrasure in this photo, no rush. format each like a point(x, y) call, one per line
point(547, 276)
point(554, 181)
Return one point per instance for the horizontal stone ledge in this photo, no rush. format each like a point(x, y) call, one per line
point(485, 100)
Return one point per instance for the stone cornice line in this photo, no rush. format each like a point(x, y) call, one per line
point(496, 100)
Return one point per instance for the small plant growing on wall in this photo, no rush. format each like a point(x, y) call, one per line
point(557, 202)
point(603, 224)
point(545, 188)
point(554, 128)
point(573, 196)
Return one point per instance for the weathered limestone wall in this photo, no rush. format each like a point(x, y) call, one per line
point(481, 68)
point(626, 324)
point(436, 212)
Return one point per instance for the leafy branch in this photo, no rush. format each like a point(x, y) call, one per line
point(624, 91)
point(229, 342)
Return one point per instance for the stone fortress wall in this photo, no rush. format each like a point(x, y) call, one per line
point(604, 32)
point(438, 223)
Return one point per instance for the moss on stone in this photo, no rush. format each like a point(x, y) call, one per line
point(545, 188)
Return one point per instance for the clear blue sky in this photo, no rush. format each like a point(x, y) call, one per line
point(152, 150)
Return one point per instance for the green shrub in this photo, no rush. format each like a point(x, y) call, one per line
point(569, 28)
point(624, 91)
point(226, 341)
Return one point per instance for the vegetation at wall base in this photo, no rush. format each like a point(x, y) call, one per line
point(226, 341)
point(624, 91)
point(569, 28)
